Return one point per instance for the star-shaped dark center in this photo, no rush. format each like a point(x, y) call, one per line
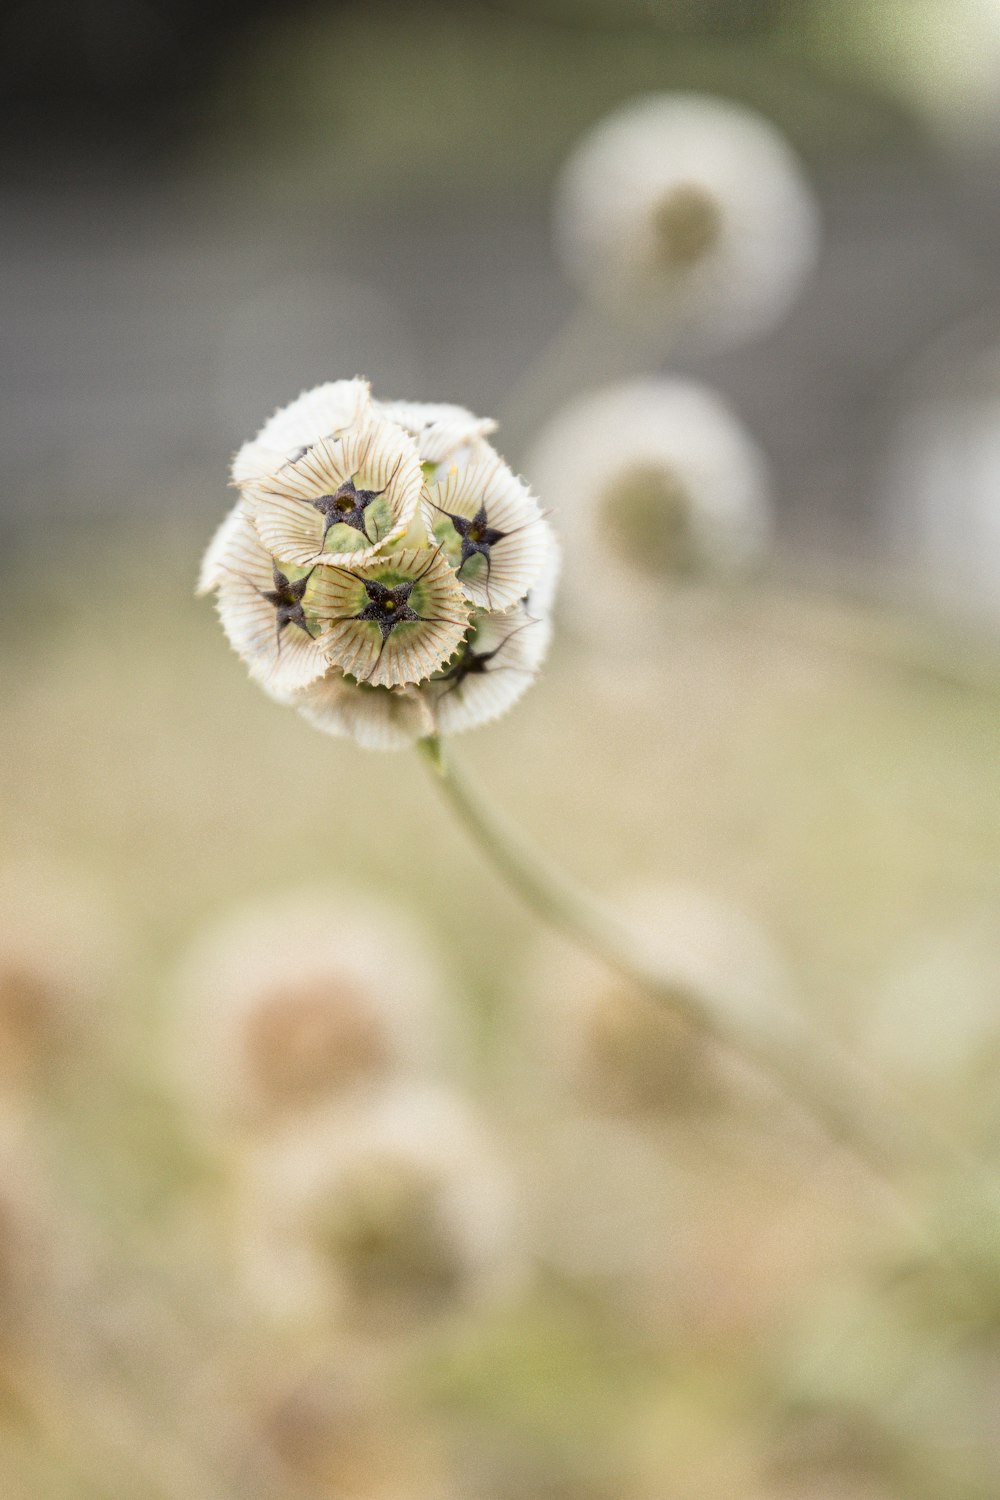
point(287, 599)
point(388, 607)
point(477, 535)
point(346, 507)
point(469, 664)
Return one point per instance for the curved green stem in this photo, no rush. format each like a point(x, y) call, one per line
point(810, 1067)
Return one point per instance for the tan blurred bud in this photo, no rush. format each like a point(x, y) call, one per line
point(612, 1047)
point(59, 951)
point(289, 1002)
point(338, 1427)
point(379, 1214)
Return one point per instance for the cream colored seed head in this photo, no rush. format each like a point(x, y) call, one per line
point(365, 537)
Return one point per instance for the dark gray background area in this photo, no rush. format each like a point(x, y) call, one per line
point(158, 302)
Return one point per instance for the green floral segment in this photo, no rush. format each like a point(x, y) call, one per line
point(392, 622)
point(378, 522)
point(339, 499)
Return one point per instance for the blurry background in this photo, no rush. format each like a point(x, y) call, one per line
point(207, 208)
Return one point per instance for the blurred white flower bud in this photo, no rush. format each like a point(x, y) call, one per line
point(654, 480)
point(380, 1215)
point(690, 212)
point(939, 496)
point(941, 61)
point(292, 1001)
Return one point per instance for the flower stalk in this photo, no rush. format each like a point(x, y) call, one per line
point(810, 1068)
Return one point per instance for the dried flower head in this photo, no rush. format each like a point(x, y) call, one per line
point(658, 481)
point(689, 210)
point(290, 1002)
point(380, 556)
point(379, 1215)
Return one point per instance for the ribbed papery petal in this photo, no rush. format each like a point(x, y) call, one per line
point(515, 561)
point(379, 457)
point(505, 652)
point(540, 598)
point(280, 660)
point(326, 411)
point(440, 430)
point(413, 649)
point(376, 718)
point(213, 564)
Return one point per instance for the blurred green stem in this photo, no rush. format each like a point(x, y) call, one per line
point(590, 348)
point(811, 1068)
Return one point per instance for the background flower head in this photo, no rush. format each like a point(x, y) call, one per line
point(380, 1214)
point(655, 481)
point(311, 996)
point(688, 210)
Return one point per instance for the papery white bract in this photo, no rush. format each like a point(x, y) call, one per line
point(214, 563)
point(490, 524)
point(495, 665)
point(441, 431)
point(341, 500)
point(263, 613)
point(376, 718)
point(326, 411)
point(393, 621)
point(690, 211)
point(655, 480)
